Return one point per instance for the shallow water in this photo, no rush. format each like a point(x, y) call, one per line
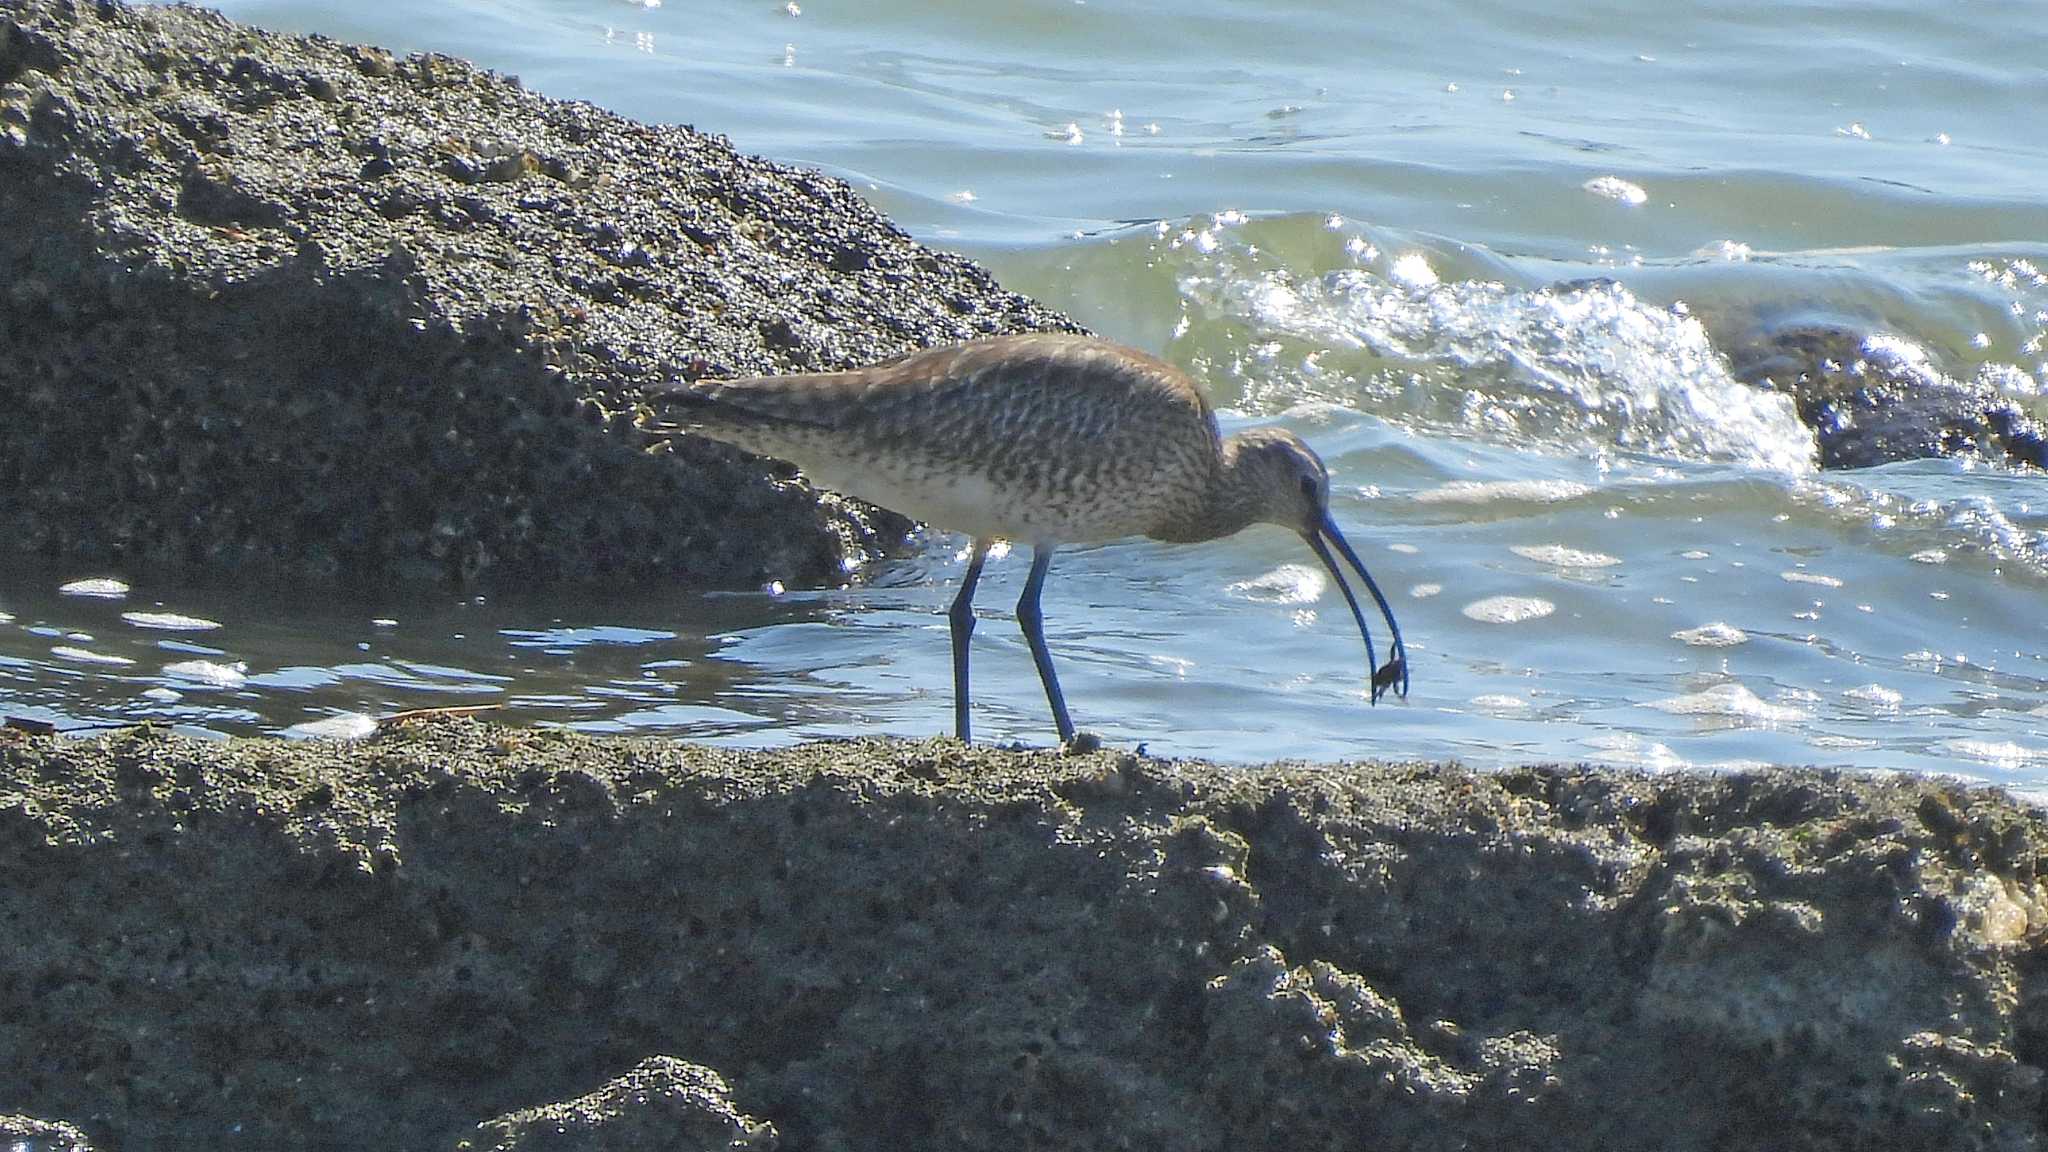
point(1481, 259)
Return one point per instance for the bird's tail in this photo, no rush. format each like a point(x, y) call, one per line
point(798, 398)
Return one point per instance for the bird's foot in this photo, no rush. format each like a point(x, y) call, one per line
point(1393, 674)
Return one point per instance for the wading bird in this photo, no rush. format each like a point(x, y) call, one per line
point(1039, 439)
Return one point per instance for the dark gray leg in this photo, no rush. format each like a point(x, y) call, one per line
point(961, 615)
point(1033, 622)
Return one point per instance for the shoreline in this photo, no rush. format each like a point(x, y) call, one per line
point(460, 932)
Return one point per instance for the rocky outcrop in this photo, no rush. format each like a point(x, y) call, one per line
point(1871, 397)
point(536, 940)
point(275, 306)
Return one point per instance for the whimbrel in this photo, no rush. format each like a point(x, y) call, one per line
point(1038, 439)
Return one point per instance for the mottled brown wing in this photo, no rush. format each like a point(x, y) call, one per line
point(1046, 412)
point(1039, 395)
point(985, 383)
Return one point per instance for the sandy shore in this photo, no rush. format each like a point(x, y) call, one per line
point(531, 940)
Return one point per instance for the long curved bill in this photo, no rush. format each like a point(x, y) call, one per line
point(1394, 673)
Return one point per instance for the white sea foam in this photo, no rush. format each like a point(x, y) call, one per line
point(170, 621)
point(1615, 188)
point(88, 656)
point(99, 588)
point(1563, 557)
point(1731, 702)
point(1503, 491)
point(1508, 609)
point(1715, 635)
point(208, 673)
point(345, 726)
point(1589, 366)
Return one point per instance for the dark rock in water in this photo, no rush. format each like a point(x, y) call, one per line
point(1870, 398)
point(536, 940)
point(277, 306)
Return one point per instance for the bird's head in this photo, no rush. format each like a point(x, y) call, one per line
point(1288, 485)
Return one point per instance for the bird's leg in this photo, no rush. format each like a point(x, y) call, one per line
point(1033, 623)
point(961, 616)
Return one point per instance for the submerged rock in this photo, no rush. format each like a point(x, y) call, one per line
point(1871, 397)
point(538, 940)
point(279, 306)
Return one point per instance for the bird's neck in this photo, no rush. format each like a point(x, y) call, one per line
point(1229, 504)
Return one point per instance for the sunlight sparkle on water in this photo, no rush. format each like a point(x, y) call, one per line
point(1287, 584)
point(1412, 269)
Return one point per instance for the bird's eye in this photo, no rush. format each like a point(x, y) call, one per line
point(1310, 488)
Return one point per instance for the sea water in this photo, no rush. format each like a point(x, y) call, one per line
point(1485, 257)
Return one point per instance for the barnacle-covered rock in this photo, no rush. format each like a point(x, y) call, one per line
point(278, 306)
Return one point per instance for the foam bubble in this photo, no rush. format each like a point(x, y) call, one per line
point(1496, 702)
point(1615, 188)
point(1888, 699)
point(1628, 748)
point(209, 673)
point(344, 726)
point(170, 621)
point(2004, 754)
point(1731, 702)
point(1715, 635)
point(1509, 609)
point(87, 656)
point(1503, 491)
point(1564, 557)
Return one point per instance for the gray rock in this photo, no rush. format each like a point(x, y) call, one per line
point(1869, 403)
point(892, 945)
point(278, 306)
